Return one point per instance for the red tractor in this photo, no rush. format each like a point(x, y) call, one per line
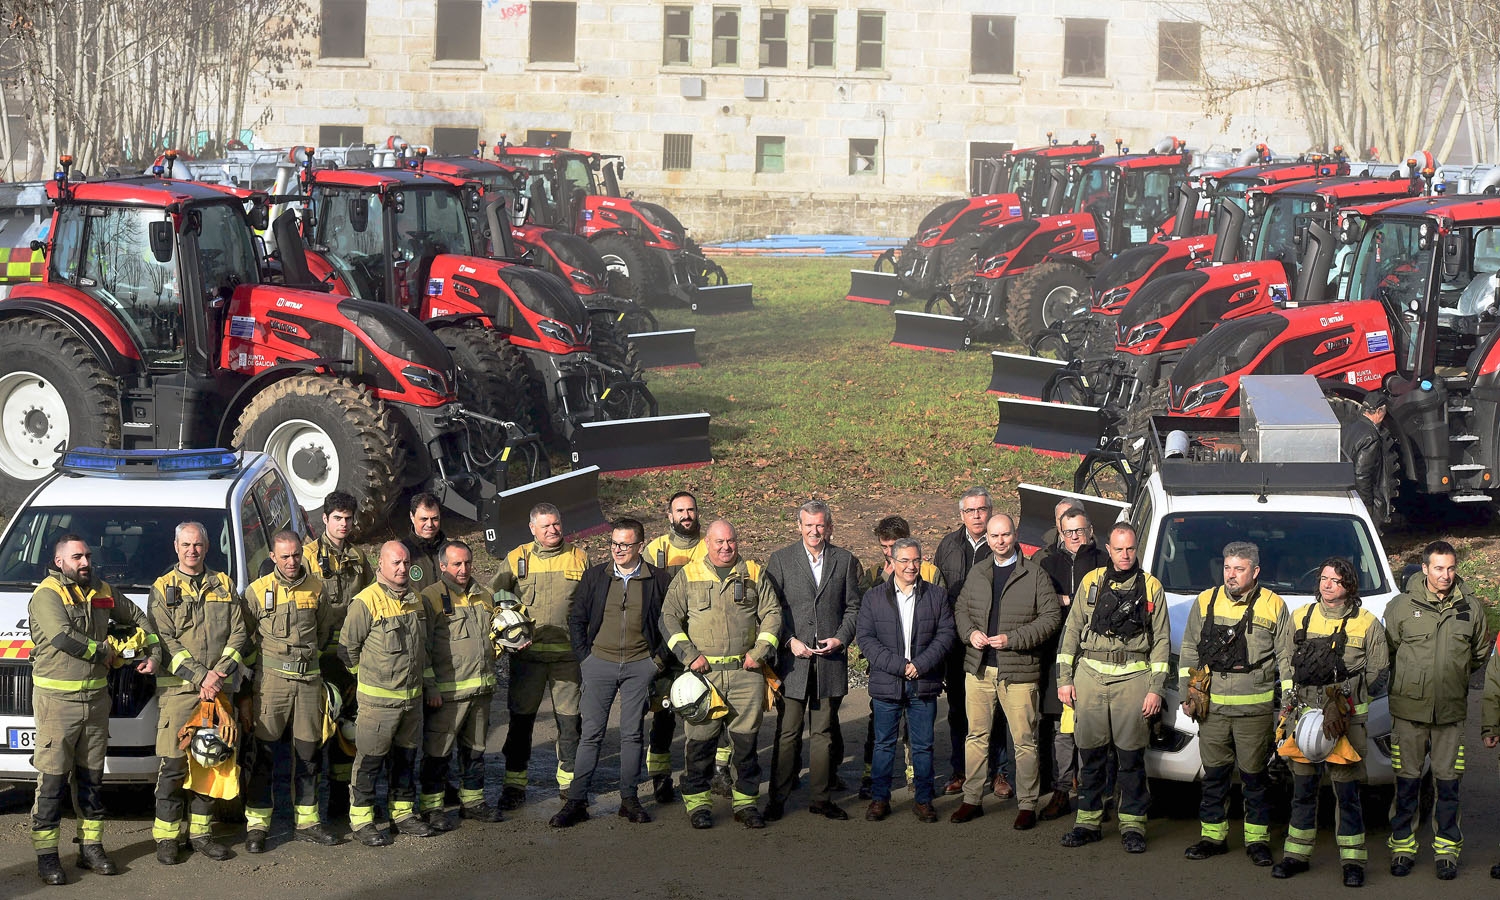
point(155, 328)
point(578, 191)
point(405, 238)
point(1029, 183)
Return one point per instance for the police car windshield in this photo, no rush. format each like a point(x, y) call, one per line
point(1293, 545)
point(132, 546)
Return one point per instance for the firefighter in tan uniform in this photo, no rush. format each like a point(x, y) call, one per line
point(542, 574)
point(722, 619)
point(458, 684)
point(291, 619)
point(71, 617)
point(1238, 636)
point(1112, 666)
point(680, 545)
point(205, 640)
point(345, 571)
point(384, 643)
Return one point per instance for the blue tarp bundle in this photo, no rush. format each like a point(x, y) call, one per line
point(807, 245)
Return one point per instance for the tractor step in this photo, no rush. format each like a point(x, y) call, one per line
point(575, 494)
point(1023, 376)
point(880, 288)
point(631, 446)
point(925, 331)
point(667, 349)
point(712, 300)
point(1460, 409)
point(1462, 438)
point(1470, 497)
point(1466, 468)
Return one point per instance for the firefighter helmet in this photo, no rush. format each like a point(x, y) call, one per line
point(510, 630)
point(1312, 740)
point(208, 748)
point(694, 698)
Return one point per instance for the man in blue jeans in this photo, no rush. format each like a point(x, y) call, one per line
point(905, 630)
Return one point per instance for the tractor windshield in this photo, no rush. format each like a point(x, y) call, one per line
point(1225, 350)
point(226, 249)
point(1094, 192)
point(430, 222)
point(106, 250)
point(546, 296)
point(1391, 266)
point(1234, 189)
point(1278, 230)
point(1022, 171)
point(579, 175)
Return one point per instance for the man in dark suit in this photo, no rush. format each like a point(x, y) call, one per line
point(905, 631)
point(818, 585)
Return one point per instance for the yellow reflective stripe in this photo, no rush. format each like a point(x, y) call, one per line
point(486, 680)
point(1161, 668)
point(676, 639)
point(165, 680)
point(551, 648)
point(720, 660)
point(54, 684)
point(1066, 658)
point(152, 639)
point(769, 638)
point(389, 694)
point(1244, 699)
point(182, 656)
point(1184, 673)
point(1361, 708)
point(92, 650)
point(231, 653)
point(90, 830)
point(429, 672)
point(1105, 668)
point(1286, 685)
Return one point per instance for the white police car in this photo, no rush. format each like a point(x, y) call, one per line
point(127, 504)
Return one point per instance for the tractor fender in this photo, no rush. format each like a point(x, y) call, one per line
point(259, 383)
point(100, 332)
point(437, 322)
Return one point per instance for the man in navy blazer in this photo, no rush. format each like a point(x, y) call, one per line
point(906, 631)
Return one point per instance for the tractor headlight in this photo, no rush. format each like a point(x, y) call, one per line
point(1142, 333)
point(426, 379)
point(1203, 394)
point(995, 263)
point(584, 278)
point(930, 236)
point(1114, 297)
point(555, 330)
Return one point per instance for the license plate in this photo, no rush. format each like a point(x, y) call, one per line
point(20, 738)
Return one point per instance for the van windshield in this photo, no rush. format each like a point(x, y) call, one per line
point(132, 546)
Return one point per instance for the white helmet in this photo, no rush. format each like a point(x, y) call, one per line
point(510, 629)
point(1311, 739)
point(693, 698)
point(208, 748)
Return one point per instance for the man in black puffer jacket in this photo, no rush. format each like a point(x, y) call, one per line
point(1362, 443)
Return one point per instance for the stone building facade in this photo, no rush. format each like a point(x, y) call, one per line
point(786, 115)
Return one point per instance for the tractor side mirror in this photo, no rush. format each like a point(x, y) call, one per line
point(160, 234)
point(359, 214)
point(259, 216)
point(471, 197)
point(1453, 256)
point(519, 207)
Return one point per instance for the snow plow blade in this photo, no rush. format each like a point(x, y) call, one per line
point(868, 286)
point(711, 300)
point(1057, 428)
point(667, 349)
point(575, 494)
point(924, 331)
point(630, 446)
point(1022, 376)
point(1038, 504)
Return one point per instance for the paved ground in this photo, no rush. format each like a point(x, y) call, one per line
point(800, 856)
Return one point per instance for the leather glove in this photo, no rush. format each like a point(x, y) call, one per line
point(224, 718)
point(1196, 705)
point(1336, 712)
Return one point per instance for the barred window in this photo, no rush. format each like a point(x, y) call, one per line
point(677, 151)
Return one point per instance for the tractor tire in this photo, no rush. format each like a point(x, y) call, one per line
point(957, 262)
point(1136, 423)
point(1042, 298)
point(626, 316)
point(634, 269)
point(53, 391)
point(615, 349)
point(326, 434)
point(491, 381)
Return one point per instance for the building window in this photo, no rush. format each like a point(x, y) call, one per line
point(726, 36)
point(984, 158)
point(992, 45)
point(455, 141)
point(552, 31)
point(870, 50)
point(1083, 47)
point(773, 39)
point(340, 135)
point(862, 156)
point(1178, 51)
point(458, 29)
point(342, 30)
point(822, 38)
point(770, 154)
point(677, 36)
point(539, 137)
point(677, 151)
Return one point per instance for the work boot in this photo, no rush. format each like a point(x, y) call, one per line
point(439, 821)
point(1206, 848)
point(93, 858)
point(701, 818)
point(49, 869)
point(255, 841)
point(414, 827)
point(212, 849)
point(1354, 875)
point(1056, 808)
point(750, 817)
point(481, 812)
point(1288, 867)
point(371, 836)
point(1447, 869)
point(1259, 853)
point(572, 812)
point(631, 809)
point(1401, 866)
point(512, 797)
point(662, 788)
point(723, 782)
point(167, 853)
point(1079, 836)
point(1133, 842)
point(316, 833)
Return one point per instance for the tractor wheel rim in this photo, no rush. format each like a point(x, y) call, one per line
point(1057, 304)
point(614, 263)
point(309, 458)
point(33, 422)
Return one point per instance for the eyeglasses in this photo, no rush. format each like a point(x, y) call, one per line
point(1074, 532)
point(616, 545)
point(976, 509)
point(907, 563)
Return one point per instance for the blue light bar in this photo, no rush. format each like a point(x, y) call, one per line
point(146, 463)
